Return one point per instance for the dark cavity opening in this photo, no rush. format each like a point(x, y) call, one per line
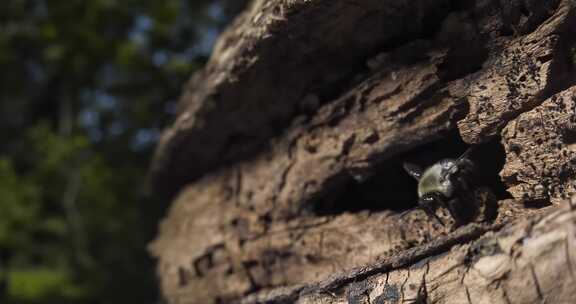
point(391, 188)
point(569, 136)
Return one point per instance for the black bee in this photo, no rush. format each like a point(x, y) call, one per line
point(447, 183)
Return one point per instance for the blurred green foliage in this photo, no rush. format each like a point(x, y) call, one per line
point(85, 88)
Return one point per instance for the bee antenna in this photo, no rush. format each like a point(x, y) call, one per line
point(466, 153)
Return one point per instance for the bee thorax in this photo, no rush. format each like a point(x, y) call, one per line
point(435, 179)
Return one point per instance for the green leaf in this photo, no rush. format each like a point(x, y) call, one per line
point(41, 284)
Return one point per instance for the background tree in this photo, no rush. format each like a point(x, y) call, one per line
point(85, 88)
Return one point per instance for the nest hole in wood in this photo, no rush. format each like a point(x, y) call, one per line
point(391, 188)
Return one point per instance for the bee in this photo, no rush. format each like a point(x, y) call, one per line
point(447, 183)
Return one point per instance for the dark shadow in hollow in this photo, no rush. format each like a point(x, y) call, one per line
point(391, 188)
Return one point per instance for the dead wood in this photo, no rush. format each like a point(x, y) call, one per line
point(529, 261)
point(286, 154)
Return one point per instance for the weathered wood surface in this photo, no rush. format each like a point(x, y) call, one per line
point(541, 150)
point(280, 60)
point(304, 100)
point(530, 260)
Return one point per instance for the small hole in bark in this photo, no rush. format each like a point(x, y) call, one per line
point(569, 136)
point(537, 203)
point(391, 188)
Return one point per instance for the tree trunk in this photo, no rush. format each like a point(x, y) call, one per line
point(285, 160)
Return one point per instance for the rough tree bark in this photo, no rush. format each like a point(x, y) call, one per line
point(285, 159)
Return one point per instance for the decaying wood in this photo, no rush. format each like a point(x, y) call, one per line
point(302, 100)
point(541, 150)
point(527, 70)
point(529, 261)
point(279, 60)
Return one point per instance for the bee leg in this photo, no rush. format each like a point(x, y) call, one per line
point(426, 203)
point(452, 206)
